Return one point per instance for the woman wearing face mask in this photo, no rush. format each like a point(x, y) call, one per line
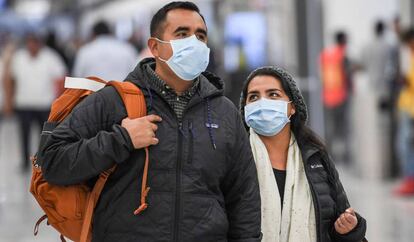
point(302, 197)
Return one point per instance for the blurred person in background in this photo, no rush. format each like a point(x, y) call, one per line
point(376, 62)
point(7, 48)
point(406, 117)
point(52, 42)
point(335, 69)
point(376, 58)
point(34, 71)
point(302, 198)
point(105, 56)
point(394, 68)
point(137, 40)
point(2, 73)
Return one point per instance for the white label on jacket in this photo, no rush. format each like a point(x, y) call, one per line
point(316, 166)
point(83, 83)
point(213, 126)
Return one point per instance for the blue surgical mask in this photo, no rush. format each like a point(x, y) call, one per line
point(189, 59)
point(267, 117)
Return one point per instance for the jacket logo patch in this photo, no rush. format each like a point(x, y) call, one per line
point(213, 126)
point(315, 166)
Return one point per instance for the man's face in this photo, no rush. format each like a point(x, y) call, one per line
point(179, 24)
point(33, 45)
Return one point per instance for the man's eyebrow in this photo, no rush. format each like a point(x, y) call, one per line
point(181, 28)
point(186, 29)
point(201, 31)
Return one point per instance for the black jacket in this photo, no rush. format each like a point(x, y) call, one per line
point(329, 196)
point(202, 175)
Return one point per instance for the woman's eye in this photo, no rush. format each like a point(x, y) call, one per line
point(252, 98)
point(274, 94)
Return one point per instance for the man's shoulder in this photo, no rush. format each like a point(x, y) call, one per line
point(225, 102)
point(20, 54)
point(106, 98)
point(226, 108)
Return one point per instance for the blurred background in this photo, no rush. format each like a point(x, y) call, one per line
point(353, 61)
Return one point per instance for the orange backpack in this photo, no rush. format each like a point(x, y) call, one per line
point(69, 209)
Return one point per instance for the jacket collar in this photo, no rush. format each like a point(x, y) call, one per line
point(210, 85)
point(307, 151)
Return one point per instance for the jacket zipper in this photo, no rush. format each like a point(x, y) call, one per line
point(178, 186)
point(316, 204)
point(179, 167)
point(190, 142)
point(178, 171)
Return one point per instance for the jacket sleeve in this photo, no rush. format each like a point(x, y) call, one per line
point(342, 203)
point(355, 235)
point(241, 191)
point(86, 143)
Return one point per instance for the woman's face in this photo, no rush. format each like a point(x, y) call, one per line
point(267, 87)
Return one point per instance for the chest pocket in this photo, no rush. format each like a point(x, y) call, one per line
point(205, 151)
point(205, 141)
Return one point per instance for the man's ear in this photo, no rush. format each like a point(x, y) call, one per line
point(153, 46)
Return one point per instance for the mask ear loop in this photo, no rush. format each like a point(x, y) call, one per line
point(164, 42)
point(291, 114)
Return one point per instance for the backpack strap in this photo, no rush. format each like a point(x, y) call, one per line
point(134, 102)
point(132, 97)
point(76, 90)
point(92, 200)
point(135, 105)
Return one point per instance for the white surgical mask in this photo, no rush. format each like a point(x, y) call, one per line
point(267, 117)
point(190, 57)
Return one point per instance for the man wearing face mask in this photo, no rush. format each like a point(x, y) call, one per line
point(202, 175)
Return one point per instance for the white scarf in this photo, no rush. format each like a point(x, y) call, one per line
point(296, 223)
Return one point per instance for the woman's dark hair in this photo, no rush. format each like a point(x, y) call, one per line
point(303, 134)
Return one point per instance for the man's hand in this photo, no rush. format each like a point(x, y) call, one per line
point(142, 130)
point(346, 221)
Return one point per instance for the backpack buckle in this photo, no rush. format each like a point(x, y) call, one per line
point(105, 174)
point(34, 161)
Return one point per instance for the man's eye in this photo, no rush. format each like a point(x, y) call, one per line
point(201, 37)
point(182, 35)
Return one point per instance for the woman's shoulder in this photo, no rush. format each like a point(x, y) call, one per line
point(317, 157)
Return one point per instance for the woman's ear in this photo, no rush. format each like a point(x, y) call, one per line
point(292, 109)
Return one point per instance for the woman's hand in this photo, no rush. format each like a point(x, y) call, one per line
point(346, 222)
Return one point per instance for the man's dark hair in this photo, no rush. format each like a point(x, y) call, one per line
point(379, 28)
point(340, 38)
point(159, 18)
point(101, 28)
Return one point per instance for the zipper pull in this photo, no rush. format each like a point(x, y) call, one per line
point(190, 126)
